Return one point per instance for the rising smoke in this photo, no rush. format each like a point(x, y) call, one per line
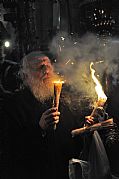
point(75, 55)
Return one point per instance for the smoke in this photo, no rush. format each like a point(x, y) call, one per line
point(75, 54)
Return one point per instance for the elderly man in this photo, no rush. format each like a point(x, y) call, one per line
point(30, 147)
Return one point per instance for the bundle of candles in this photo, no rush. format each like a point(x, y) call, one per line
point(97, 126)
point(57, 92)
point(98, 105)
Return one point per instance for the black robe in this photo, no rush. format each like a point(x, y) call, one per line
point(25, 153)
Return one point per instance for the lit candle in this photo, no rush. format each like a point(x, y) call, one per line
point(98, 88)
point(57, 92)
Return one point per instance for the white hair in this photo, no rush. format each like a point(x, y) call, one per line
point(41, 90)
point(26, 61)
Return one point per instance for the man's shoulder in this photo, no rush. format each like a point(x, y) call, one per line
point(14, 97)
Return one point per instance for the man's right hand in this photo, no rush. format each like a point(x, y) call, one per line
point(49, 118)
point(89, 120)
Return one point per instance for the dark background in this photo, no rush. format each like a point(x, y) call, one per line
point(31, 25)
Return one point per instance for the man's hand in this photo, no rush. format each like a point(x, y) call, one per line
point(89, 120)
point(99, 116)
point(49, 118)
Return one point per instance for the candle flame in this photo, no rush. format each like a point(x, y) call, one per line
point(58, 81)
point(57, 91)
point(101, 95)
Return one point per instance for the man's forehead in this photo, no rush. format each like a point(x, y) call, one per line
point(37, 59)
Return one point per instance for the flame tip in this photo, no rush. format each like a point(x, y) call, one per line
point(101, 95)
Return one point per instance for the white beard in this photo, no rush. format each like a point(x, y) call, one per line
point(42, 90)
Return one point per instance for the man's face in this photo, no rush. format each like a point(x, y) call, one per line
point(40, 78)
point(42, 69)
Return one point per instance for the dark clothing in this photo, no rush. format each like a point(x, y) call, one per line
point(25, 153)
point(97, 164)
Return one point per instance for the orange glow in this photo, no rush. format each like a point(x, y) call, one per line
point(101, 95)
point(57, 91)
point(58, 82)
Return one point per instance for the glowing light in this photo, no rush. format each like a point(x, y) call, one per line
point(101, 61)
point(58, 82)
point(62, 38)
point(7, 44)
point(57, 91)
point(98, 88)
point(67, 62)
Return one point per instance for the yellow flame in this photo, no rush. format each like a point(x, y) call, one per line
point(101, 95)
point(58, 81)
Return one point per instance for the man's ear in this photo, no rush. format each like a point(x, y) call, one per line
point(25, 76)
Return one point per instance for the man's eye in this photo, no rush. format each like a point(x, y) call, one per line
point(42, 68)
